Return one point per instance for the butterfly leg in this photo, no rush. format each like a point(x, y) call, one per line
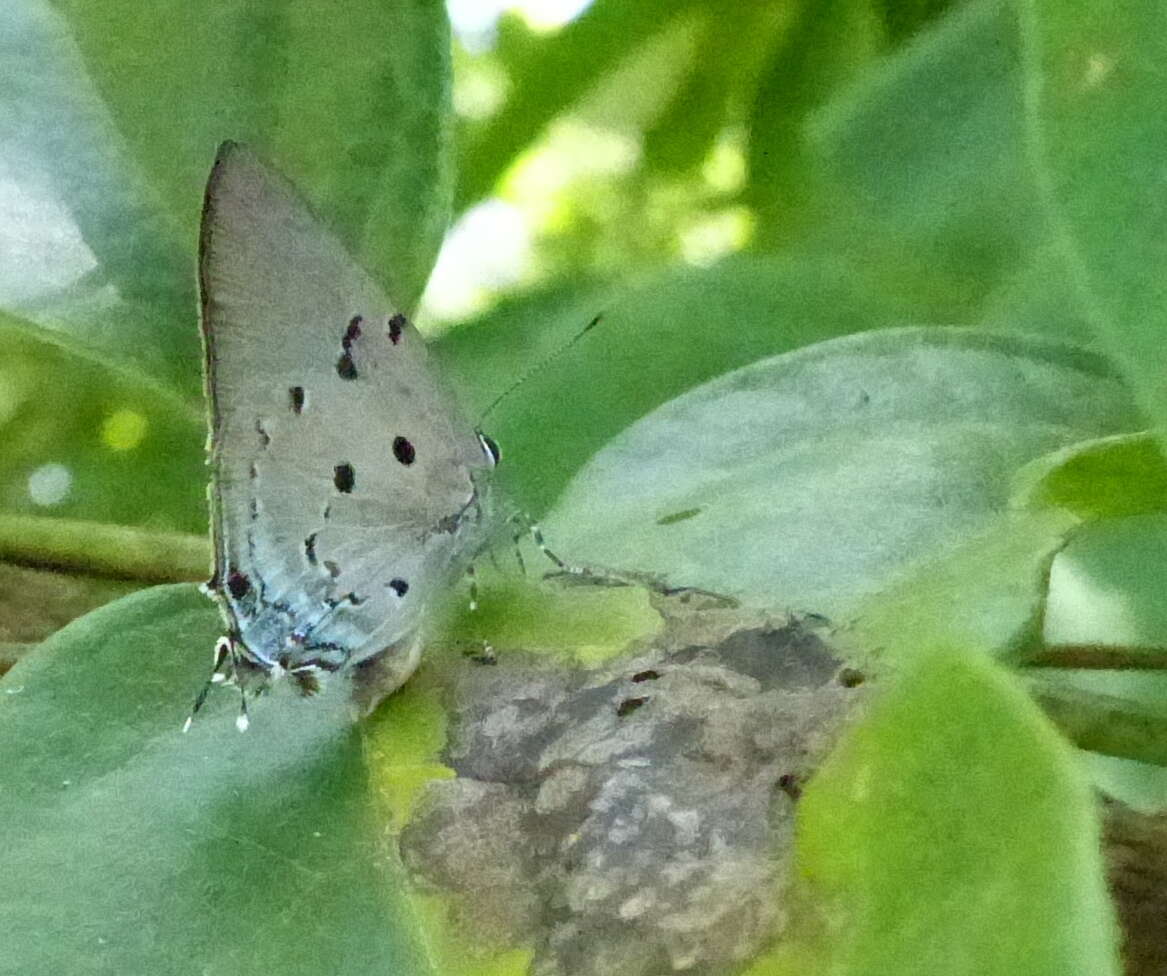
point(223, 650)
point(596, 576)
point(486, 655)
point(241, 720)
point(473, 577)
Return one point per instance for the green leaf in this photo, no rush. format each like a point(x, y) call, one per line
point(88, 251)
point(1093, 110)
point(132, 848)
point(1106, 603)
point(355, 109)
point(824, 48)
point(823, 475)
point(926, 176)
point(657, 339)
point(952, 833)
point(986, 594)
point(1110, 477)
point(82, 440)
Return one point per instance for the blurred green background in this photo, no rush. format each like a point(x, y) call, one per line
point(721, 182)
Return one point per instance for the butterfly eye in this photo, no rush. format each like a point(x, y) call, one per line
point(490, 448)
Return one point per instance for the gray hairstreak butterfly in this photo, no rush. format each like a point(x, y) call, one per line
point(346, 488)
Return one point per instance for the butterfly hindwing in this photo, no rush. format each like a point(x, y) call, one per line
point(345, 483)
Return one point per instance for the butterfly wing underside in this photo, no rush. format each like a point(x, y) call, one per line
point(343, 476)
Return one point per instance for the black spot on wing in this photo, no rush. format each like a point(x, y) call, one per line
point(398, 586)
point(346, 368)
point(629, 705)
point(351, 334)
point(264, 437)
point(396, 327)
point(297, 395)
point(333, 568)
point(344, 477)
point(310, 549)
point(238, 585)
point(403, 450)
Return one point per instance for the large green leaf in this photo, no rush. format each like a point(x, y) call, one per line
point(824, 48)
point(1094, 97)
point(658, 338)
point(953, 833)
point(815, 479)
point(926, 178)
point(115, 111)
point(88, 251)
point(131, 848)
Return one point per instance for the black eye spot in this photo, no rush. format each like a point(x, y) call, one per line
point(345, 367)
point(398, 586)
point(628, 706)
point(396, 325)
point(344, 477)
point(238, 585)
point(490, 446)
point(650, 675)
point(310, 548)
point(297, 394)
point(403, 450)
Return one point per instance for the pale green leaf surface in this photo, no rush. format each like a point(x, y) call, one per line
point(818, 477)
point(1106, 589)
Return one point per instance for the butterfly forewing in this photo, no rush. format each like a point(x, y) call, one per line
point(345, 483)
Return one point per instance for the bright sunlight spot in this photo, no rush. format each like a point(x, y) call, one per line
point(715, 236)
point(474, 20)
point(488, 249)
point(49, 484)
point(725, 168)
point(570, 151)
point(123, 430)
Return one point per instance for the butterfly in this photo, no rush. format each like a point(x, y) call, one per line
point(347, 490)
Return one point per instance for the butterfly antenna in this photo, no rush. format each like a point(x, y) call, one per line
point(538, 367)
